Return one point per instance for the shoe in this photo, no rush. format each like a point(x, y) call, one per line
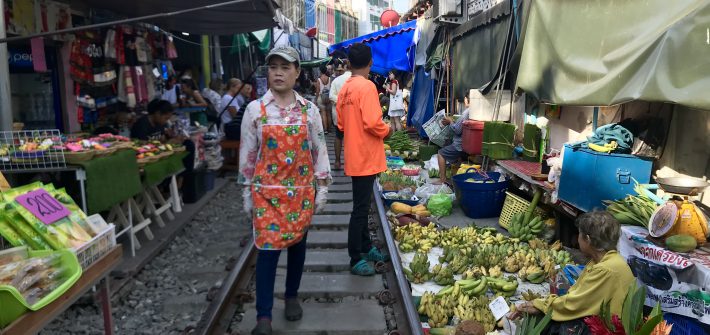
point(362, 268)
point(263, 327)
point(293, 310)
point(375, 255)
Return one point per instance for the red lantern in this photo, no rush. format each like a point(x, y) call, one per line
point(389, 18)
point(311, 33)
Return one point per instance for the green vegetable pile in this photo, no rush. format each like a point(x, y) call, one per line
point(400, 141)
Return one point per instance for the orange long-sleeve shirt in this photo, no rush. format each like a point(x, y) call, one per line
point(360, 119)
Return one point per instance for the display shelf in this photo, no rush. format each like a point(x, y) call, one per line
point(33, 322)
point(31, 150)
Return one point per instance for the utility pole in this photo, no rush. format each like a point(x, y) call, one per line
point(5, 97)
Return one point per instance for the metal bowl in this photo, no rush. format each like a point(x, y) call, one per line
point(682, 185)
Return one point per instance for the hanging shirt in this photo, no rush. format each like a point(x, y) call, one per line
point(360, 119)
point(251, 134)
point(608, 280)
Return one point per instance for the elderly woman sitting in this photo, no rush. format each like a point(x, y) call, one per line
point(606, 277)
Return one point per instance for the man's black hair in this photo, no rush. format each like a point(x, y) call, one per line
point(160, 106)
point(359, 55)
point(323, 69)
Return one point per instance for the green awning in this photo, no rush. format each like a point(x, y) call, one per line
point(315, 62)
point(261, 38)
point(605, 52)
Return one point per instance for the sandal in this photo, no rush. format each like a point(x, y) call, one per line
point(375, 255)
point(263, 327)
point(293, 310)
point(362, 268)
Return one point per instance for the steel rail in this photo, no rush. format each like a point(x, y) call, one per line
point(403, 292)
point(218, 316)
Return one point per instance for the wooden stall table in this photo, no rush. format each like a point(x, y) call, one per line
point(34, 322)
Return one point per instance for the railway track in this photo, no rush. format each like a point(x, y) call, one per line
point(334, 301)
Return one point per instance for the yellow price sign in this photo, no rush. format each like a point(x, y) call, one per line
point(4, 185)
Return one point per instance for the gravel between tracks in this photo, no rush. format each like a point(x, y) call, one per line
point(169, 294)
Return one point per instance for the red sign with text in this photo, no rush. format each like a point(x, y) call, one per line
point(43, 205)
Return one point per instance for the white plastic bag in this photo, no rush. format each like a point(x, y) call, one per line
point(432, 163)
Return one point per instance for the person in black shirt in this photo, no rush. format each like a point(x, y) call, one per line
point(152, 126)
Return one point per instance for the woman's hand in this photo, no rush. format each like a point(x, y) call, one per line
point(526, 307)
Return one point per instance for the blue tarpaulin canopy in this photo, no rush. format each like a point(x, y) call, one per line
point(392, 48)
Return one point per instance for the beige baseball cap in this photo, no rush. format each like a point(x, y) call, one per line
point(288, 53)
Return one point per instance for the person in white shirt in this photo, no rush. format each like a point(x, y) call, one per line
point(343, 73)
point(230, 102)
point(171, 92)
point(212, 93)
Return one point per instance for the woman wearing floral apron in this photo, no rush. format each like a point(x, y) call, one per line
point(285, 169)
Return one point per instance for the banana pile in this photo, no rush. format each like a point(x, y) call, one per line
point(418, 271)
point(456, 301)
point(474, 252)
point(632, 210)
point(415, 237)
point(525, 231)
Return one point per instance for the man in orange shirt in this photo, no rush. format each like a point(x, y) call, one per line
point(360, 119)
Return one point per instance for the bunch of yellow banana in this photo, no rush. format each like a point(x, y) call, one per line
point(495, 271)
point(482, 313)
point(530, 295)
point(511, 265)
point(503, 286)
point(418, 271)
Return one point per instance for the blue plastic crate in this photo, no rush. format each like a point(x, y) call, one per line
point(589, 177)
point(683, 325)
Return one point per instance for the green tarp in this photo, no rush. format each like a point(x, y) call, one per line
point(478, 49)
point(111, 180)
point(154, 173)
point(606, 52)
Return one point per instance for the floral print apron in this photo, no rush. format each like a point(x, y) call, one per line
point(283, 187)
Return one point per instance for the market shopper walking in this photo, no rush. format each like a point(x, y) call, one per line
point(285, 170)
point(343, 71)
point(323, 90)
point(360, 119)
point(396, 105)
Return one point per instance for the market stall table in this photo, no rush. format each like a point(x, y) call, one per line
point(679, 281)
point(33, 322)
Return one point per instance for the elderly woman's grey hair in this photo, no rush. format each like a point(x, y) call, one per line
point(601, 227)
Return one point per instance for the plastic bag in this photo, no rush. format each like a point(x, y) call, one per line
point(439, 205)
point(427, 190)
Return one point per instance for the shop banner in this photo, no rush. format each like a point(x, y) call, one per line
point(52, 16)
point(20, 16)
point(674, 280)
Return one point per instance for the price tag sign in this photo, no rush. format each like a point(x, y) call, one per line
point(43, 205)
point(499, 308)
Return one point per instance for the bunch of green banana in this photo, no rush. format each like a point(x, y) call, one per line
point(418, 271)
point(503, 286)
point(525, 231)
point(443, 275)
point(530, 295)
point(632, 210)
point(533, 274)
point(473, 287)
